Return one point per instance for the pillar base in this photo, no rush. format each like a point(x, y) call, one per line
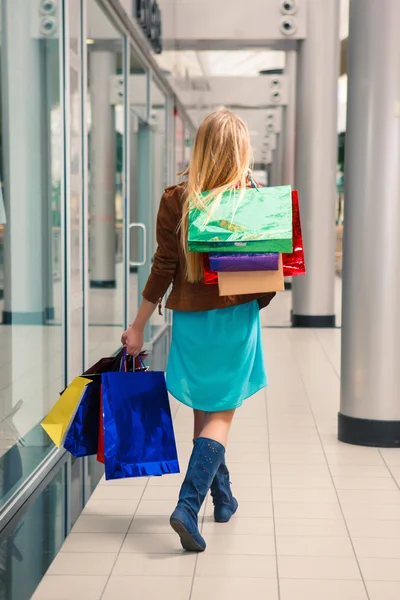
point(288, 285)
point(321, 322)
point(23, 318)
point(99, 284)
point(368, 432)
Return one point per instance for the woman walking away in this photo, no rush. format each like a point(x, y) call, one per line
point(216, 359)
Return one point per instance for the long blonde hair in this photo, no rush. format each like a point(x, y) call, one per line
point(220, 161)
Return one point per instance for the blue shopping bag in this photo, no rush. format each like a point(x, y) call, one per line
point(83, 435)
point(139, 438)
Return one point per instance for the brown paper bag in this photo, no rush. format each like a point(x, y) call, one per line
point(251, 282)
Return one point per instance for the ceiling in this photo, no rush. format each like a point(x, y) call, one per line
point(189, 63)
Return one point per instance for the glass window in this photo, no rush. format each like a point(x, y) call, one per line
point(106, 139)
point(30, 542)
point(31, 340)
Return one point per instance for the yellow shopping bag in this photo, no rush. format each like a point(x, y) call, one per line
point(57, 422)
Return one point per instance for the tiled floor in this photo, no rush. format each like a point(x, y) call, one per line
point(318, 520)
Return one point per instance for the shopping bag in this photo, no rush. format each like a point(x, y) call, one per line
point(122, 363)
point(261, 215)
point(83, 434)
point(57, 422)
point(210, 277)
point(139, 438)
point(100, 444)
point(221, 263)
point(294, 263)
point(251, 282)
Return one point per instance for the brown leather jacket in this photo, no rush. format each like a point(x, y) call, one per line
point(169, 266)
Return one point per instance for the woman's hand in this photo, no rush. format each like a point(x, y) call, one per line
point(133, 340)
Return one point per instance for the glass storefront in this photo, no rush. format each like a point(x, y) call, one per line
point(88, 141)
point(31, 269)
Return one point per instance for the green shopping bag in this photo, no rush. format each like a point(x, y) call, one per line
point(253, 220)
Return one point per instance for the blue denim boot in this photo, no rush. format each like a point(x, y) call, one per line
point(206, 458)
point(225, 505)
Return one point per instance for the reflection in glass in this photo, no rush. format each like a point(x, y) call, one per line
point(32, 539)
point(31, 358)
point(106, 179)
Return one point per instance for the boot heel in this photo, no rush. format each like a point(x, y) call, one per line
point(187, 540)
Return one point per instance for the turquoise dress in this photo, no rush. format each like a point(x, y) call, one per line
point(216, 359)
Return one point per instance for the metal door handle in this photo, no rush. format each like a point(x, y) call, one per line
point(141, 226)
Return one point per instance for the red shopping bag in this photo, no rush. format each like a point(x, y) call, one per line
point(210, 277)
point(294, 263)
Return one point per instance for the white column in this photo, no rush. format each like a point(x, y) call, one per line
point(22, 119)
point(102, 162)
point(277, 162)
point(289, 131)
point(316, 153)
point(370, 406)
point(289, 121)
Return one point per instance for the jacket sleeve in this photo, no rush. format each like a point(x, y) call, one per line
point(166, 257)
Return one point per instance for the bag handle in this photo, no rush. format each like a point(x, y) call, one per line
point(123, 367)
point(253, 182)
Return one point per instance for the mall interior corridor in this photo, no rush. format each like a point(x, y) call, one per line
point(318, 519)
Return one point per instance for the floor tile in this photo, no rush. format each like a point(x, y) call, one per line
point(391, 456)
point(365, 483)
point(294, 469)
point(152, 543)
point(247, 509)
point(377, 547)
point(150, 524)
point(118, 492)
point(167, 480)
point(317, 567)
point(258, 480)
point(211, 565)
point(383, 590)
point(313, 546)
point(346, 470)
point(311, 527)
point(302, 481)
point(385, 512)
point(307, 510)
point(366, 460)
point(63, 587)
point(161, 492)
point(234, 588)
point(304, 495)
point(141, 588)
point(110, 507)
point(249, 469)
point(102, 524)
point(251, 494)
point(169, 565)
point(298, 589)
point(370, 496)
point(93, 542)
point(239, 526)
point(240, 544)
point(300, 458)
point(370, 528)
point(80, 563)
point(277, 448)
point(156, 508)
point(128, 482)
point(380, 569)
point(247, 457)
